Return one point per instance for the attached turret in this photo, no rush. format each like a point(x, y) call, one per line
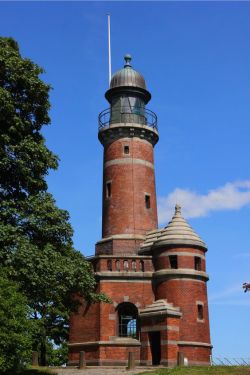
point(180, 278)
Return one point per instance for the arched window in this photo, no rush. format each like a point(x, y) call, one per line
point(117, 265)
point(125, 265)
point(133, 265)
point(127, 320)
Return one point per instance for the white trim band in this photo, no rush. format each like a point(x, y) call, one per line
point(128, 161)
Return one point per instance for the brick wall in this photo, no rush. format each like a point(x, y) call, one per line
point(187, 294)
point(124, 212)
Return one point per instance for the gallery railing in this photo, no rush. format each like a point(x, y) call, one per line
point(130, 115)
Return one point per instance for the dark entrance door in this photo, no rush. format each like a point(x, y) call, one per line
point(155, 345)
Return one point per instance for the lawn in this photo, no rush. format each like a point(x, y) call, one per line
point(33, 371)
point(212, 370)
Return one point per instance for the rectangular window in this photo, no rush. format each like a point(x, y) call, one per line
point(173, 260)
point(126, 150)
point(200, 312)
point(147, 200)
point(197, 263)
point(108, 190)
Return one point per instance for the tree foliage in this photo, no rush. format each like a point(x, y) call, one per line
point(15, 331)
point(36, 247)
point(24, 103)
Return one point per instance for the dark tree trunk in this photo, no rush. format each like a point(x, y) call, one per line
point(43, 353)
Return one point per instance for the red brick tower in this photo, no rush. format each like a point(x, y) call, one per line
point(128, 133)
point(155, 277)
point(180, 277)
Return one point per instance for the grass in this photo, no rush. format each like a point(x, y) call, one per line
point(32, 370)
point(212, 370)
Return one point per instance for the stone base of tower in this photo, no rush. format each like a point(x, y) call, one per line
point(198, 354)
point(116, 354)
point(159, 341)
point(109, 353)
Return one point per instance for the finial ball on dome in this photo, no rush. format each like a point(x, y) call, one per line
point(127, 59)
point(177, 209)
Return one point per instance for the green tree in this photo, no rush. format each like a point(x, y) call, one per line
point(15, 328)
point(57, 355)
point(35, 235)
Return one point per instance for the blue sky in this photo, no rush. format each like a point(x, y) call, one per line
point(195, 57)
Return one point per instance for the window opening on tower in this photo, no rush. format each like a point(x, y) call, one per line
point(108, 189)
point(147, 201)
point(109, 265)
point(133, 265)
point(200, 311)
point(141, 264)
point(126, 149)
point(197, 263)
point(117, 265)
point(173, 260)
point(125, 265)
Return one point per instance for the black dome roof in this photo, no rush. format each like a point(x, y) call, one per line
point(127, 76)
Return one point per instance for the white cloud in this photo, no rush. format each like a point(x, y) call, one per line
point(231, 196)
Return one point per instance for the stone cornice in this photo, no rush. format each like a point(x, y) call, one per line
point(122, 237)
point(113, 132)
point(179, 272)
point(119, 341)
point(116, 275)
point(195, 343)
point(120, 256)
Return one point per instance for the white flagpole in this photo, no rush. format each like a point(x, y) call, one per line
point(109, 48)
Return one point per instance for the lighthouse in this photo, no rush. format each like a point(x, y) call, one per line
point(156, 278)
point(128, 133)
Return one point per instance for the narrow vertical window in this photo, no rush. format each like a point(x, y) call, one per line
point(117, 265)
point(109, 265)
point(126, 149)
point(147, 201)
point(141, 266)
point(133, 265)
point(197, 263)
point(200, 312)
point(173, 260)
point(108, 190)
point(125, 265)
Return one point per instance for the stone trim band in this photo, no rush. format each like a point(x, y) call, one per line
point(107, 343)
point(128, 161)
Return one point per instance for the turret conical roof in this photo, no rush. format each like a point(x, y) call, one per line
point(178, 232)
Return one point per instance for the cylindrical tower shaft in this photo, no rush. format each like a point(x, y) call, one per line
point(128, 132)
point(129, 198)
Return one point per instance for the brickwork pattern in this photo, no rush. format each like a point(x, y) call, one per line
point(125, 212)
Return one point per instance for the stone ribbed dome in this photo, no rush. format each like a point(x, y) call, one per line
point(127, 76)
point(178, 232)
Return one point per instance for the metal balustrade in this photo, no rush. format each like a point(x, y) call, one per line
point(129, 115)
